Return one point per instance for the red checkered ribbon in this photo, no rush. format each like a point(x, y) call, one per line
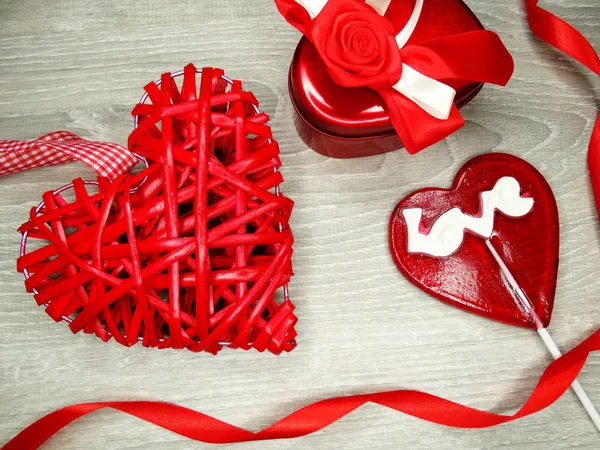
point(105, 158)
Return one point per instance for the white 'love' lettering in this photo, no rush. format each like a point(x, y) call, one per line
point(447, 233)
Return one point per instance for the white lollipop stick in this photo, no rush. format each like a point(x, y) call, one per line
point(525, 305)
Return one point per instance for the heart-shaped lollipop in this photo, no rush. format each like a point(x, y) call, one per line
point(452, 242)
point(488, 245)
point(194, 257)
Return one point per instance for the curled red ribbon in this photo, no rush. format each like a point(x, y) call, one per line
point(198, 426)
point(555, 380)
point(567, 39)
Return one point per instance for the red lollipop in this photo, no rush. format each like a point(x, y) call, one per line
point(488, 245)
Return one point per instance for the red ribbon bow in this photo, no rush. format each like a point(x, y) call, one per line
point(358, 48)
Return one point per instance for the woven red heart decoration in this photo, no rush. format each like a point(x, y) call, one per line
point(197, 256)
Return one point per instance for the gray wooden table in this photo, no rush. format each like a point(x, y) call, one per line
point(81, 65)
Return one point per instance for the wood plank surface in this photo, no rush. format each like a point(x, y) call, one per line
point(81, 65)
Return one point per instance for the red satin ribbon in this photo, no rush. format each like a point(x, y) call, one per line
point(567, 39)
point(482, 58)
point(561, 35)
point(594, 161)
point(554, 382)
point(192, 424)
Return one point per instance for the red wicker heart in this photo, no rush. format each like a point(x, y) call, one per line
point(198, 254)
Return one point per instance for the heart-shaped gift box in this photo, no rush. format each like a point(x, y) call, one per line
point(194, 251)
point(345, 122)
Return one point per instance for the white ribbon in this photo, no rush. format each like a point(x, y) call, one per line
point(312, 7)
point(432, 96)
point(380, 6)
point(406, 32)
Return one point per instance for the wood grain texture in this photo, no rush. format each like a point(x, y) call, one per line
point(80, 66)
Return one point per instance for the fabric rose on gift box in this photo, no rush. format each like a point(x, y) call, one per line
point(357, 45)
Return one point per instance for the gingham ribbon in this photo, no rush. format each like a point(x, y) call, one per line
point(105, 158)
